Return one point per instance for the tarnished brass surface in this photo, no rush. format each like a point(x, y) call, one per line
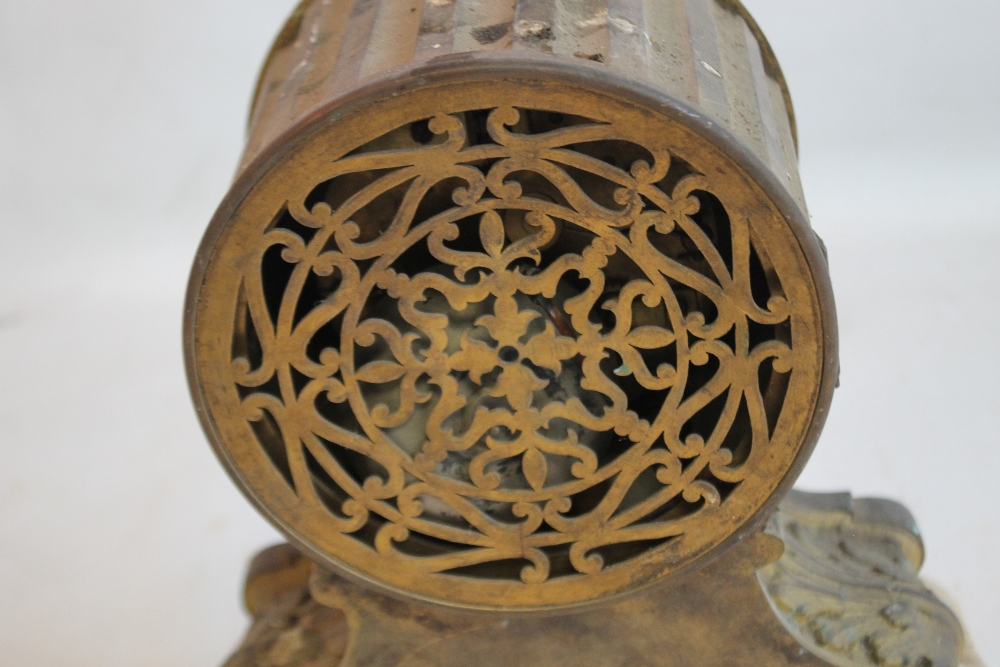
point(716, 618)
point(511, 328)
point(707, 53)
point(847, 586)
point(844, 592)
point(290, 628)
point(514, 311)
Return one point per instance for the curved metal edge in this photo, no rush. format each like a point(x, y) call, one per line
point(874, 521)
point(889, 515)
point(286, 37)
point(771, 64)
point(452, 68)
point(290, 31)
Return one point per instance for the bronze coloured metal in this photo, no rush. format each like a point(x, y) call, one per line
point(290, 628)
point(844, 593)
point(502, 327)
point(689, 621)
point(847, 584)
point(514, 323)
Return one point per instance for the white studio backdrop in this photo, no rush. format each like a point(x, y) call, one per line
point(122, 542)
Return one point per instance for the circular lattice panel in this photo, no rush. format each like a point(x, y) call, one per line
point(499, 345)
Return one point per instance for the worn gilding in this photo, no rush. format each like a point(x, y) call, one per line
point(515, 307)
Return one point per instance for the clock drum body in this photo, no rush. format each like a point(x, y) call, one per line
point(515, 306)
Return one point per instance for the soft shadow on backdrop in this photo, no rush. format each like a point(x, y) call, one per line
point(122, 542)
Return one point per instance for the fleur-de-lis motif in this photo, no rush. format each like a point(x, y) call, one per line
point(522, 366)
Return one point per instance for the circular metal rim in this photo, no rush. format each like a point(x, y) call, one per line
point(289, 32)
point(527, 67)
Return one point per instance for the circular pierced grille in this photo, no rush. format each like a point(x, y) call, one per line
point(517, 351)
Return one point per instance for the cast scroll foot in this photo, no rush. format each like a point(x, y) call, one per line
point(847, 586)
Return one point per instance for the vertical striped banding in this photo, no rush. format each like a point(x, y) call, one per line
point(706, 53)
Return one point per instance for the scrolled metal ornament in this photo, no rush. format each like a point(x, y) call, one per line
point(523, 409)
point(517, 309)
point(847, 585)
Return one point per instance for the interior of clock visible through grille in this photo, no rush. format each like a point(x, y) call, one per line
point(542, 333)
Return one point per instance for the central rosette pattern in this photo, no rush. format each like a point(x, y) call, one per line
point(517, 383)
point(521, 394)
point(540, 351)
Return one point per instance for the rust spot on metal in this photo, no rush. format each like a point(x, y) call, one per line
point(491, 33)
point(648, 359)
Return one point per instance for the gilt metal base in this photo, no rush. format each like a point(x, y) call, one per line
point(847, 584)
point(842, 591)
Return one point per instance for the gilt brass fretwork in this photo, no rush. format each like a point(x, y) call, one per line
point(516, 307)
point(539, 352)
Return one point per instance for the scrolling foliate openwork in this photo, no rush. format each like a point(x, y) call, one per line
point(512, 345)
